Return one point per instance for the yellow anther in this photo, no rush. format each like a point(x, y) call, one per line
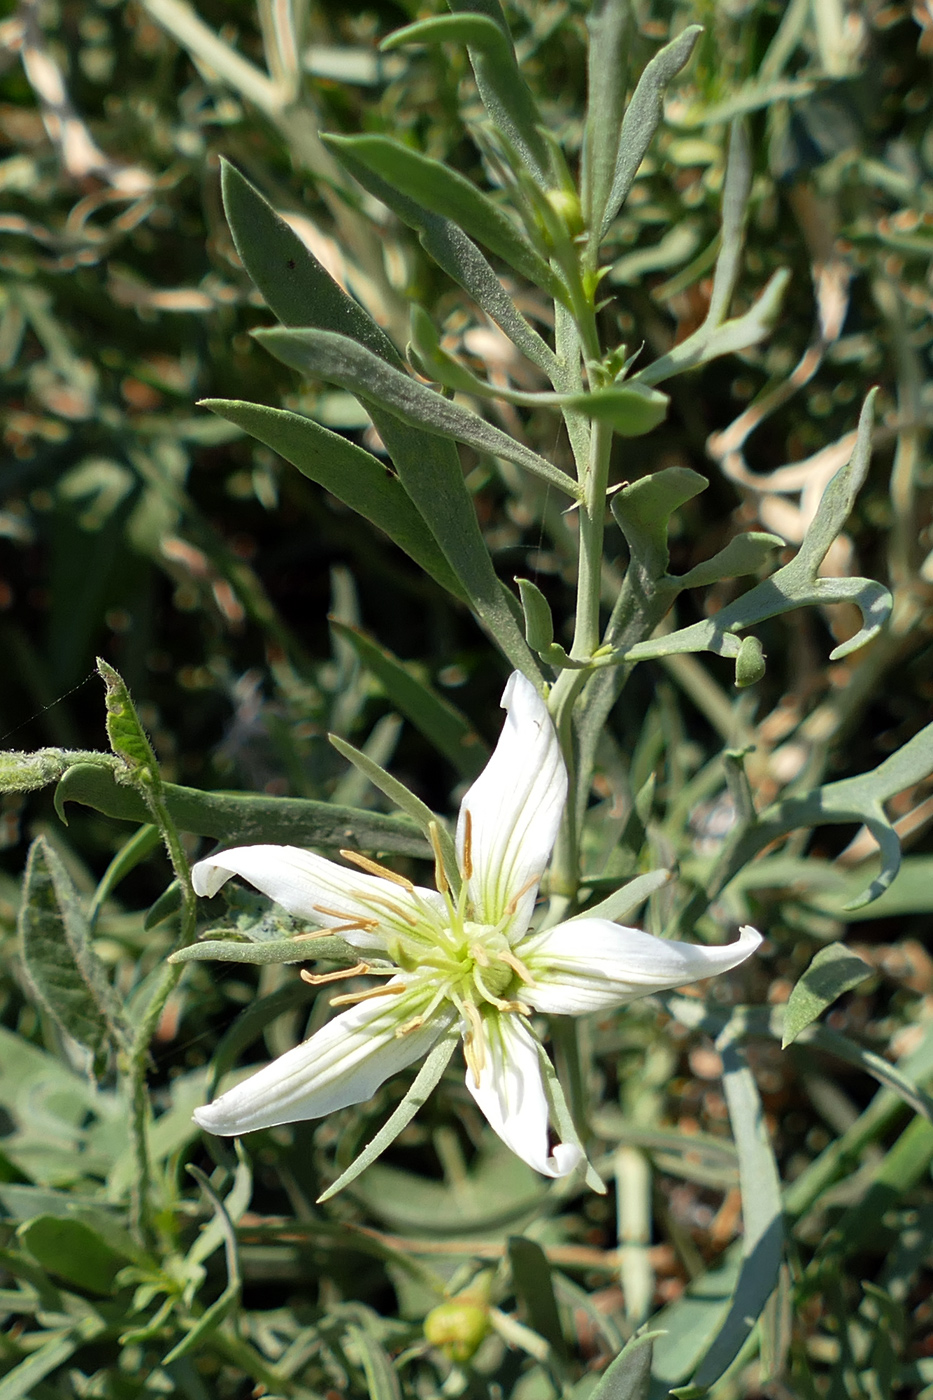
point(467, 844)
point(318, 979)
point(517, 966)
point(440, 877)
point(372, 867)
point(414, 1024)
point(474, 1042)
point(350, 998)
point(479, 955)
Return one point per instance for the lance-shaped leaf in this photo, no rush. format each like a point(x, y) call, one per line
point(58, 956)
point(439, 721)
point(428, 467)
point(628, 898)
point(763, 1234)
point(244, 819)
point(460, 258)
point(501, 83)
point(425, 1082)
point(294, 284)
point(642, 119)
point(797, 583)
point(341, 361)
point(834, 970)
point(446, 192)
point(609, 25)
point(355, 477)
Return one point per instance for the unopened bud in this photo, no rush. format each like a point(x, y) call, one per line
point(749, 662)
point(566, 204)
point(457, 1328)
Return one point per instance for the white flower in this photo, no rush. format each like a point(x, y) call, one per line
point(463, 961)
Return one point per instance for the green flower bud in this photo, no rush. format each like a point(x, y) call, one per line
point(457, 1328)
point(566, 204)
point(749, 663)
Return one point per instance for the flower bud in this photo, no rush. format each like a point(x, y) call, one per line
point(566, 205)
point(749, 662)
point(457, 1328)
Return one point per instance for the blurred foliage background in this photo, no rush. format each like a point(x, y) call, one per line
point(137, 527)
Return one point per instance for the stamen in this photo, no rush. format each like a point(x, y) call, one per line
point(414, 1024)
point(513, 902)
point(517, 966)
point(318, 979)
point(394, 909)
point(475, 1040)
point(467, 844)
point(479, 955)
point(359, 921)
point(440, 877)
point(350, 998)
point(373, 868)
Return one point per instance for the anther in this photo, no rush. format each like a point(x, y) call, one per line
point(479, 955)
point(440, 877)
point(517, 966)
point(350, 998)
point(318, 979)
point(467, 844)
point(414, 1024)
point(372, 867)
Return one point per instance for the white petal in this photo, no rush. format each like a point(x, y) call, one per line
point(511, 1094)
point(344, 1063)
point(306, 885)
point(516, 805)
point(592, 964)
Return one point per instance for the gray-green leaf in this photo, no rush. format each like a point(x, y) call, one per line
point(834, 970)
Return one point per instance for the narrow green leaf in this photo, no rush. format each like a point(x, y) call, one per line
point(744, 554)
point(167, 904)
point(244, 819)
point(72, 1251)
point(460, 258)
point(628, 898)
point(355, 477)
point(223, 1306)
point(406, 802)
point(22, 1381)
point(875, 1065)
point(628, 1377)
point(501, 83)
point(531, 1279)
point(58, 957)
point(833, 970)
point(271, 950)
point(539, 625)
point(643, 117)
point(381, 1380)
point(130, 854)
point(609, 24)
point(762, 1218)
point(448, 730)
point(294, 284)
point(342, 361)
point(425, 1082)
point(733, 336)
point(446, 192)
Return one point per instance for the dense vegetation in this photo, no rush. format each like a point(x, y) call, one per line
point(766, 267)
